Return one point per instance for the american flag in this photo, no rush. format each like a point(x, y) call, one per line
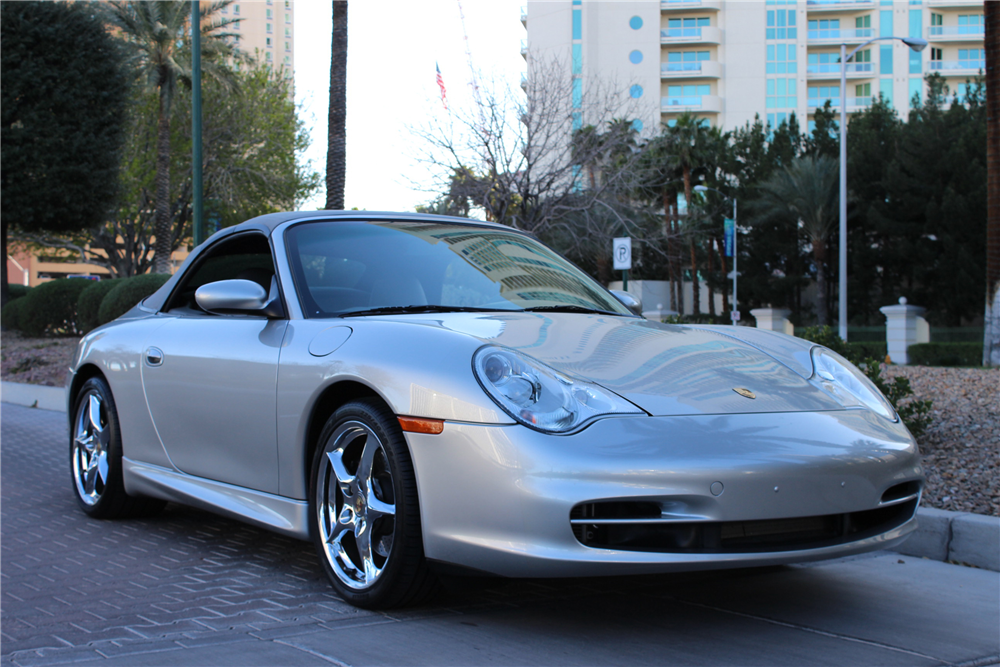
point(440, 80)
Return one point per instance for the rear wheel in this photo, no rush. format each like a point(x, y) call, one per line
point(95, 457)
point(365, 512)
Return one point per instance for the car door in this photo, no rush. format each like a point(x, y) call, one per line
point(210, 380)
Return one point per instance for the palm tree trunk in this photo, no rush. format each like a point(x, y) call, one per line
point(709, 268)
point(336, 152)
point(695, 287)
point(722, 259)
point(819, 255)
point(161, 220)
point(991, 330)
point(668, 232)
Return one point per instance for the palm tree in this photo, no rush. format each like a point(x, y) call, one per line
point(336, 151)
point(991, 342)
point(805, 194)
point(685, 139)
point(157, 33)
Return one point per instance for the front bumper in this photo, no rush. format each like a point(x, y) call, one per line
point(499, 498)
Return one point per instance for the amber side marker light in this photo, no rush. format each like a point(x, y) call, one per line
point(420, 425)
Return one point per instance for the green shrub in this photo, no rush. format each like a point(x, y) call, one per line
point(17, 291)
point(915, 414)
point(946, 354)
point(703, 318)
point(11, 315)
point(89, 304)
point(127, 293)
point(50, 308)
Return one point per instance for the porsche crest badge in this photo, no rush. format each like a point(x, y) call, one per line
point(746, 393)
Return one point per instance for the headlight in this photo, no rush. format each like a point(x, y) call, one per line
point(542, 397)
point(841, 378)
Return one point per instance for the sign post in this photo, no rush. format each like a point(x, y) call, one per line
point(621, 252)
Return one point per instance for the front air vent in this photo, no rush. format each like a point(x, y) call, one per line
point(645, 533)
point(899, 492)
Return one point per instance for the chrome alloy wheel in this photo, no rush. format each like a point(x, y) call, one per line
point(91, 438)
point(355, 505)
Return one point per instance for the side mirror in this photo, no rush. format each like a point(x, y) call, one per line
point(629, 301)
point(233, 296)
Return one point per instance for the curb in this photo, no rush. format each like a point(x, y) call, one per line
point(962, 537)
point(34, 396)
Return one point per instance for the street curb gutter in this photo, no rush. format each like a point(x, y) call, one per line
point(962, 537)
point(34, 396)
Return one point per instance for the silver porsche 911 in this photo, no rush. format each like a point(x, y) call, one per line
point(425, 396)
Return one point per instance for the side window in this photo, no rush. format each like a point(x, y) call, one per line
point(245, 256)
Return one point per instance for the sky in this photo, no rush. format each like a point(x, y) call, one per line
point(393, 46)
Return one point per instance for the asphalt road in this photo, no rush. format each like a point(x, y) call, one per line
point(189, 588)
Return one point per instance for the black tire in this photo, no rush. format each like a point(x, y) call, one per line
point(95, 457)
point(349, 503)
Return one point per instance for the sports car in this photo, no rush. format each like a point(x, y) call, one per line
point(427, 397)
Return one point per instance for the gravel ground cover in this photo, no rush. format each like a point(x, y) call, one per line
point(961, 448)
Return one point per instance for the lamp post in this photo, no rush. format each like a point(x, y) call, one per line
point(705, 188)
point(915, 43)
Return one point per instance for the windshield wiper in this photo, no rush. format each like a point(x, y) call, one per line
point(402, 310)
point(566, 308)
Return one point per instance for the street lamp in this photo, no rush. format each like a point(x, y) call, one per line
point(705, 188)
point(915, 43)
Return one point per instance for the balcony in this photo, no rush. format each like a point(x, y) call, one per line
point(955, 4)
point(840, 36)
point(524, 16)
point(956, 33)
point(702, 103)
point(667, 6)
point(838, 5)
point(703, 35)
point(524, 49)
point(704, 69)
point(524, 81)
point(853, 103)
point(832, 71)
point(957, 67)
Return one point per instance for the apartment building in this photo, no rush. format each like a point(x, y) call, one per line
point(266, 32)
point(729, 60)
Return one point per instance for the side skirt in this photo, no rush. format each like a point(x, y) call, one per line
point(282, 515)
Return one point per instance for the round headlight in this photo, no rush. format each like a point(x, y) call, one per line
point(541, 397)
point(843, 380)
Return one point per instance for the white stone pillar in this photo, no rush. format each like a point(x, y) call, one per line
point(774, 319)
point(903, 329)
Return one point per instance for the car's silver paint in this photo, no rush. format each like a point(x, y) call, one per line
point(213, 397)
point(499, 498)
point(664, 369)
point(791, 351)
point(226, 295)
point(418, 367)
point(283, 515)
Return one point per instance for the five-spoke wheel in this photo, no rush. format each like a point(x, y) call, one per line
point(95, 456)
point(366, 521)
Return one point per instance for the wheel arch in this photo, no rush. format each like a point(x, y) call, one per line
point(82, 374)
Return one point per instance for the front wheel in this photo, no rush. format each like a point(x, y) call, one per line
point(365, 512)
point(95, 457)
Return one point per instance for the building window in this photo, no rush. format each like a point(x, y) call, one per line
point(288, 60)
point(288, 32)
point(937, 19)
point(820, 94)
point(824, 29)
point(269, 27)
point(635, 22)
point(687, 95)
point(288, 17)
point(270, 13)
point(863, 22)
point(288, 46)
point(781, 59)
point(635, 91)
point(781, 24)
point(687, 27)
point(863, 90)
point(685, 61)
point(268, 42)
point(971, 58)
point(885, 90)
point(236, 10)
point(577, 24)
point(781, 93)
point(268, 56)
point(937, 54)
point(885, 59)
point(885, 23)
point(776, 119)
point(916, 91)
point(970, 24)
point(635, 57)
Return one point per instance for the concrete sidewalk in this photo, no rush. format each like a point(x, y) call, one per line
point(958, 537)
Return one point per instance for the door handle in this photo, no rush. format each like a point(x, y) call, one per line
point(154, 356)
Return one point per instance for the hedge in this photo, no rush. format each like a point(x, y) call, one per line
point(945, 354)
point(89, 304)
point(50, 308)
point(127, 293)
point(866, 350)
point(16, 291)
point(10, 317)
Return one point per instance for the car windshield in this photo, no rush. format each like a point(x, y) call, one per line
point(357, 267)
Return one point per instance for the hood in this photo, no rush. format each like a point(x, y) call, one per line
point(664, 369)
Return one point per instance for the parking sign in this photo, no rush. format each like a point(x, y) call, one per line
point(622, 252)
